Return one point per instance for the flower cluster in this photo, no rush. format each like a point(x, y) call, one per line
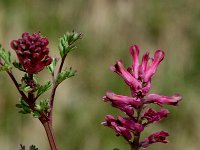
point(138, 78)
point(32, 52)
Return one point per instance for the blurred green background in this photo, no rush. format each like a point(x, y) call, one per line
point(109, 28)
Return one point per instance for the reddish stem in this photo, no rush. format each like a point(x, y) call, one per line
point(55, 85)
point(49, 132)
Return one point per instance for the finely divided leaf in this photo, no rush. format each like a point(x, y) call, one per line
point(18, 66)
point(43, 88)
point(66, 43)
point(5, 56)
point(67, 73)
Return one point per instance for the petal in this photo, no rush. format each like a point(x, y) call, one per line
point(130, 124)
point(152, 116)
point(158, 57)
point(160, 99)
point(125, 133)
point(123, 72)
point(155, 138)
point(144, 64)
point(134, 50)
point(123, 107)
point(110, 96)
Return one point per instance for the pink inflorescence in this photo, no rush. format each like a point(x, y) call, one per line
point(32, 52)
point(138, 116)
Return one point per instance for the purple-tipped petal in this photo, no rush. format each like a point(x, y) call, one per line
point(134, 50)
point(160, 99)
point(158, 57)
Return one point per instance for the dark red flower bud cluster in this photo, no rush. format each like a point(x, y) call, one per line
point(32, 52)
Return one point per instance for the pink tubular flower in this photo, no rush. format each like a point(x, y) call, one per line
point(158, 57)
point(152, 116)
point(32, 52)
point(117, 126)
point(134, 50)
point(123, 126)
point(130, 124)
point(127, 76)
point(160, 99)
point(112, 97)
point(155, 138)
point(123, 107)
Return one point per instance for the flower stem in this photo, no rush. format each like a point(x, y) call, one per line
point(55, 85)
point(135, 144)
point(50, 135)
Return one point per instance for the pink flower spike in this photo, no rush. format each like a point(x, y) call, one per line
point(155, 138)
point(112, 97)
point(128, 78)
point(159, 99)
point(158, 57)
point(134, 50)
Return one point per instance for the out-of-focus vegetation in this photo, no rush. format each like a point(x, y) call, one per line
point(109, 28)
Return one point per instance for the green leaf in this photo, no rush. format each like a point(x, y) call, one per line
point(23, 87)
point(116, 149)
point(32, 147)
point(22, 147)
point(67, 73)
point(36, 114)
point(18, 66)
point(43, 88)
point(35, 79)
point(5, 56)
point(25, 109)
point(43, 106)
point(18, 105)
point(52, 65)
point(66, 43)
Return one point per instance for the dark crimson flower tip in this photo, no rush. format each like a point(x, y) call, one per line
point(32, 52)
